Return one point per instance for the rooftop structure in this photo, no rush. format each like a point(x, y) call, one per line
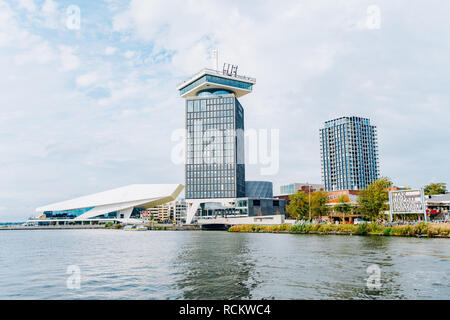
point(208, 79)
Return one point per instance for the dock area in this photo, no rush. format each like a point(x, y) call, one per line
point(65, 227)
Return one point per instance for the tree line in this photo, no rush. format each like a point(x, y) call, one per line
point(372, 201)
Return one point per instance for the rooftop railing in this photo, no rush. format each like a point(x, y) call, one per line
point(218, 73)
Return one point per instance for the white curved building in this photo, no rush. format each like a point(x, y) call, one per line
point(119, 204)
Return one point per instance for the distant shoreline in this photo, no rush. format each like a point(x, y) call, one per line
point(79, 227)
point(19, 227)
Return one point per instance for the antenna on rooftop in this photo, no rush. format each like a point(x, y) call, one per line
point(215, 59)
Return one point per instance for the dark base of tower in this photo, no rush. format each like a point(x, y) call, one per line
point(215, 226)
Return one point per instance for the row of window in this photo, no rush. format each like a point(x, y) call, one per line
point(212, 160)
point(209, 167)
point(212, 129)
point(209, 194)
point(209, 114)
point(354, 121)
point(207, 139)
point(210, 147)
point(223, 186)
point(212, 152)
point(198, 177)
point(210, 187)
point(212, 173)
point(209, 104)
point(208, 120)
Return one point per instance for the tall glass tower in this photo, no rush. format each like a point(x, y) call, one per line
point(215, 166)
point(349, 153)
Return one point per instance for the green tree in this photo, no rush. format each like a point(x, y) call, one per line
point(343, 206)
point(319, 200)
point(298, 206)
point(373, 199)
point(435, 188)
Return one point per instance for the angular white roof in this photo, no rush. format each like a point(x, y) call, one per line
point(135, 193)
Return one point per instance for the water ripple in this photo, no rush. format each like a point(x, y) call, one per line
point(116, 264)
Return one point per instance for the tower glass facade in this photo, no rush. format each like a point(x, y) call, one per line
point(349, 153)
point(215, 169)
point(214, 146)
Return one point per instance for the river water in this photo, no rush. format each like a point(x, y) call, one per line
point(117, 264)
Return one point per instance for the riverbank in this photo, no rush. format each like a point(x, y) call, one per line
point(67, 227)
point(158, 228)
point(102, 226)
point(429, 230)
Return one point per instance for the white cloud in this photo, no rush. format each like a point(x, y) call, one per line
point(52, 17)
point(27, 4)
point(129, 54)
point(50, 7)
point(40, 53)
point(110, 50)
point(9, 32)
point(69, 61)
point(87, 79)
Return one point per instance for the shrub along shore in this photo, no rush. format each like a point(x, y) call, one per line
point(430, 230)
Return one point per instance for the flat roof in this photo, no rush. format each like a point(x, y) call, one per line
point(213, 79)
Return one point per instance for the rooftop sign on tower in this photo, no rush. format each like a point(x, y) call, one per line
point(214, 79)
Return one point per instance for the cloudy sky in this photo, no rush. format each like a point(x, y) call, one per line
point(89, 107)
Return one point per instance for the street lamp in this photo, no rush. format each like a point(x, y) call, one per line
point(309, 193)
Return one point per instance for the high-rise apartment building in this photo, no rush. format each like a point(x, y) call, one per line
point(349, 153)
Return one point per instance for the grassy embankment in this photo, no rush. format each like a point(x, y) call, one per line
point(420, 229)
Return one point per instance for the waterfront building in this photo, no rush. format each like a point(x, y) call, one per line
point(159, 213)
point(215, 144)
point(348, 196)
point(349, 153)
point(289, 189)
point(259, 189)
point(305, 187)
point(215, 169)
point(123, 204)
point(438, 206)
point(174, 211)
point(178, 211)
